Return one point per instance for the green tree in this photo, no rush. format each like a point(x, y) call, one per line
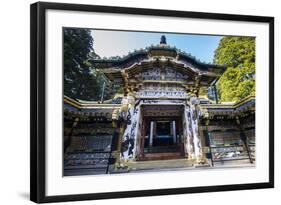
point(238, 54)
point(78, 76)
point(81, 79)
point(77, 73)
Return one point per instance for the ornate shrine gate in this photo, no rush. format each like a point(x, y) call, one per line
point(160, 110)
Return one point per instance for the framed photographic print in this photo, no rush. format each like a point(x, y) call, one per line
point(129, 102)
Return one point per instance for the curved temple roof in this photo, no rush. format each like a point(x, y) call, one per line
point(231, 109)
point(161, 53)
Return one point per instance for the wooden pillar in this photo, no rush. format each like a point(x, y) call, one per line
point(201, 133)
point(216, 93)
point(151, 133)
point(179, 133)
point(243, 138)
point(121, 128)
point(68, 141)
point(143, 133)
point(209, 141)
point(174, 132)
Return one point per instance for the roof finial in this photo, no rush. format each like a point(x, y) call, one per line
point(163, 40)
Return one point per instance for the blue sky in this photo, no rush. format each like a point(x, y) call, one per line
point(119, 43)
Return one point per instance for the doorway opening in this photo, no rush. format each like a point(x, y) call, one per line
point(162, 134)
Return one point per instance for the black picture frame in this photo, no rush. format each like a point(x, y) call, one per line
point(38, 100)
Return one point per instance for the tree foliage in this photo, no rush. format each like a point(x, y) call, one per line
point(203, 91)
point(238, 54)
point(81, 79)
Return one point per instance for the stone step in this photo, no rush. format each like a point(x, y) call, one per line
point(161, 164)
point(171, 148)
point(162, 156)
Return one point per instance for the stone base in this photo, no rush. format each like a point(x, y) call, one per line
point(232, 163)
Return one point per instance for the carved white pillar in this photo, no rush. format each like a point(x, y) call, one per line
point(131, 116)
point(195, 129)
point(188, 133)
